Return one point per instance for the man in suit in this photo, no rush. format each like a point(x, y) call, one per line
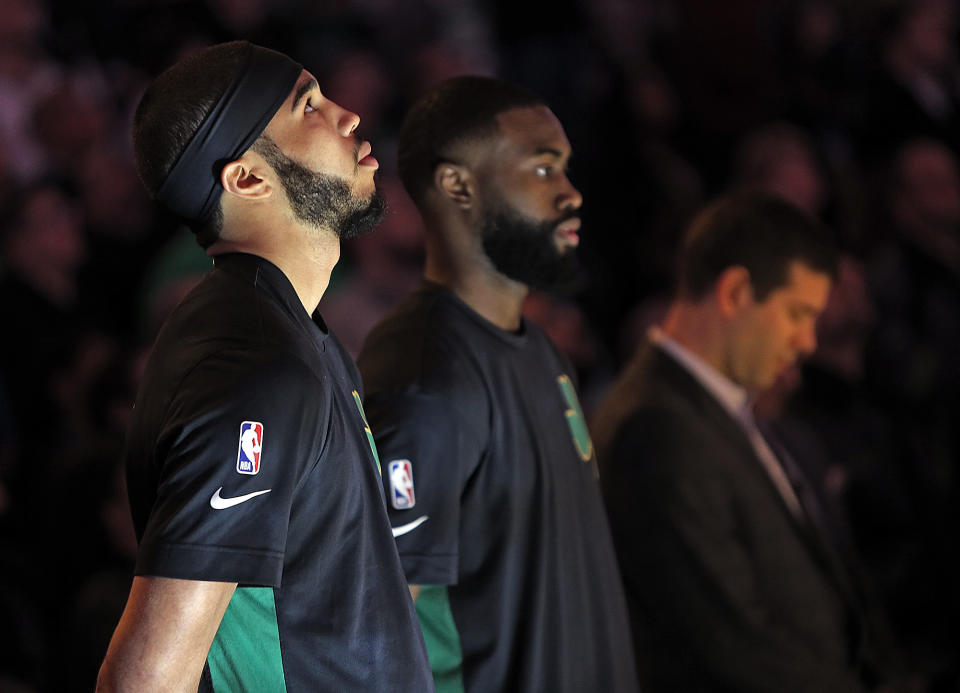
point(730, 583)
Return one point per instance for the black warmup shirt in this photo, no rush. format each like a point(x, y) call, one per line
point(492, 492)
point(249, 461)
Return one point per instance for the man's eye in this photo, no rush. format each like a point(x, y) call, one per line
point(542, 171)
point(308, 108)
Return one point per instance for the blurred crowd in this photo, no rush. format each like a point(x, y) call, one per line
point(848, 108)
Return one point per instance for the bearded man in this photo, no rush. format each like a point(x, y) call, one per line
point(498, 518)
point(265, 558)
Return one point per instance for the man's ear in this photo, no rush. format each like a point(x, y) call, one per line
point(455, 183)
point(240, 178)
point(733, 290)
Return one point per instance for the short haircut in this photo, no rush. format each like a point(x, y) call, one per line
point(759, 232)
point(171, 110)
point(458, 111)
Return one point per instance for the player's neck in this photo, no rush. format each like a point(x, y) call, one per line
point(306, 256)
point(309, 272)
point(496, 298)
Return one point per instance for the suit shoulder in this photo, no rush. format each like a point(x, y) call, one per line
point(639, 385)
point(651, 420)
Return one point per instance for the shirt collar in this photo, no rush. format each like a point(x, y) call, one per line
point(269, 278)
point(731, 396)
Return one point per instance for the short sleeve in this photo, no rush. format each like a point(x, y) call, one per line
point(233, 445)
point(428, 453)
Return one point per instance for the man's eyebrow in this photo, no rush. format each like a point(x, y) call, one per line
point(539, 151)
point(807, 308)
point(302, 91)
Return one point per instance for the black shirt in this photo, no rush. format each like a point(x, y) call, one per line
point(248, 461)
point(492, 492)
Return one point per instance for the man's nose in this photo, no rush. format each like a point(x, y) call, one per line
point(570, 198)
point(807, 340)
point(347, 122)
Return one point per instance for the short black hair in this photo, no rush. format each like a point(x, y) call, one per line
point(171, 110)
point(457, 111)
point(758, 231)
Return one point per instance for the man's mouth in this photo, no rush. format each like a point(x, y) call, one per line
point(567, 231)
point(785, 363)
point(364, 157)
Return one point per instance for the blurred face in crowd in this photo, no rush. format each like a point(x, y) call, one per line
point(21, 22)
point(50, 232)
point(928, 195)
point(927, 33)
point(769, 336)
point(114, 202)
point(529, 223)
point(326, 171)
point(778, 158)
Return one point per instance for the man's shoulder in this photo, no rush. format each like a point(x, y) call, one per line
point(429, 308)
point(424, 339)
point(651, 392)
point(210, 350)
point(220, 311)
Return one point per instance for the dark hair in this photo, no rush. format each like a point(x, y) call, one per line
point(758, 231)
point(458, 111)
point(171, 110)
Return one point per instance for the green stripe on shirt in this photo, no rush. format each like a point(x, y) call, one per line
point(441, 637)
point(245, 655)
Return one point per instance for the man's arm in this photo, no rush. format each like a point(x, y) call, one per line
point(443, 448)
point(414, 592)
point(164, 635)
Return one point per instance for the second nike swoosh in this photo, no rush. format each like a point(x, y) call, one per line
point(410, 526)
point(218, 503)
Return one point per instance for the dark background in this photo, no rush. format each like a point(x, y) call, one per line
point(847, 108)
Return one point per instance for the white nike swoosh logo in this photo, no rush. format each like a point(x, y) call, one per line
point(218, 503)
point(410, 526)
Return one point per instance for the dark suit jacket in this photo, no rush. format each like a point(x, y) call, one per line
point(727, 590)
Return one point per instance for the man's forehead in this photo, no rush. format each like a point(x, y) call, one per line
point(306, 83)
point(800, 271)
point(532, 130)
point(807, 283)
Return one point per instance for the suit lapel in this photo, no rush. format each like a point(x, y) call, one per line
point(666, 379)
point(816, 536)
point(677, 379)
point(672, 375)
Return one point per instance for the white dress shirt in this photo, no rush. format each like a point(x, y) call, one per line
point(736, 402)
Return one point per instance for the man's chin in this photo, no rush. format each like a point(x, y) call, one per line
point(366, 187)
point(364, 219)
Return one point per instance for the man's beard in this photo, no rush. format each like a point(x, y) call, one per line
point(525, 250)
point(320, 199)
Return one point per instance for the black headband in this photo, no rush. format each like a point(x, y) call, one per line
point(192, 187)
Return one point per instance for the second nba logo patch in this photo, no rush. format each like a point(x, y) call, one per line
point(401, 484)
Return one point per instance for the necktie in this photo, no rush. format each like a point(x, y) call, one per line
point(804, 490)
point(775, 470)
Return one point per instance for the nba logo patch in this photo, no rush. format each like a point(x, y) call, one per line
point(401, 484)
point(251, 442)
